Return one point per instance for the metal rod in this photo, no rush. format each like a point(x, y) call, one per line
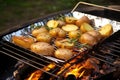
point(115, 50)
point(115, 43)
point(28, 54)
point(28, 63)
point(113, 46)
point(109, 53)
point(101, 59)
point(24, 57)
point(89, 4)
point(102, 56)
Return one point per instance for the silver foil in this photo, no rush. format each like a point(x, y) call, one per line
point(98, 22)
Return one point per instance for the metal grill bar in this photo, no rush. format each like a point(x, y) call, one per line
point(118, 40)
point(101, 59)
point(25, 58)
point(29, 64)
point(112, 49)
point(113, 46)
point(11, 51)
point(23, 52)
point(104, 57)
point(109, 53)
point(115, 43)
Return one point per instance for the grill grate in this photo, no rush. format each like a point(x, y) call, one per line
point(109, 49)
point(107, 52)
point(34, 60)
point(30, 59)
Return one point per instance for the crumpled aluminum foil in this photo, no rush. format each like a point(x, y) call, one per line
point(98, 22)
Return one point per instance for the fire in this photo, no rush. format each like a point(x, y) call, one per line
point(75, 70)
point(35, 75)
point(75, 60)
point(64, 67)
point(67, 65)
point(74, 67)
point(50, 66)
point(38, 73)
point(82, 74)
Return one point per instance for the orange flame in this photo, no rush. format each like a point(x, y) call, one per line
point(72, 69)
point(82, 74)
point(69, 64)
point(35, 75)
point(38, 73)
point(64, 67)
point(75, 71)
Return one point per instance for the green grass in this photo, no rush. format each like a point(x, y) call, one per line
point(14, 12)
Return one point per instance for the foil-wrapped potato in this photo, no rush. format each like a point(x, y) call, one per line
point(57, 32)
point(70, 20)
point(61, 23)
point(74, 34)
point(85, 27)
point(44, 37)
point(42, 48)
point(52, 23)
point(64, 54)
point(70, 27)
point(64, 43)
point(23, 41)
point(91, 38)
point(82, 20)
point(95, 34)
point(106, 30)
point(37, 31)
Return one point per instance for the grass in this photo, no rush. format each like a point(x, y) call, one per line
point(14, 12)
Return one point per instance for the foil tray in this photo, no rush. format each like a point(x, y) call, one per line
point(98, 22)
